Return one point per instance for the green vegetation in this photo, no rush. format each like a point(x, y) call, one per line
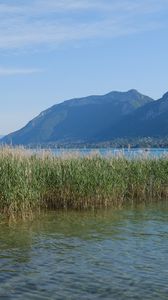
point(30, 181)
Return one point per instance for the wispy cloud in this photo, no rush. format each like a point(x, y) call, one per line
point(52, 22)
point(16, 71)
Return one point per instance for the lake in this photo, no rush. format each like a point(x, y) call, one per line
point(129, 153)
point(104, 254)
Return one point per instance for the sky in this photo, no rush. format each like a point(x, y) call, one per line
point(54, 50)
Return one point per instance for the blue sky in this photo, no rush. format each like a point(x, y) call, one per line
point(52, 50)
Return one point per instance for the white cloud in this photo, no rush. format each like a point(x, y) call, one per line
point(16, 71)
point(49, 23)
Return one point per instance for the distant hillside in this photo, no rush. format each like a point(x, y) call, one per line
point(86, 119)
point(150, 120)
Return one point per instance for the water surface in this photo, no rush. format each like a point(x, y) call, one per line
point(107, 254)
point(129, 153)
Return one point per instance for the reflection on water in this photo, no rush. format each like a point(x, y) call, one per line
point(110, 254)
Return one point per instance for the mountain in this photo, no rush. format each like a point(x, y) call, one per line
point(150, 120)
point(85, 119)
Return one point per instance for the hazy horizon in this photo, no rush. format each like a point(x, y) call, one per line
point(51, 51)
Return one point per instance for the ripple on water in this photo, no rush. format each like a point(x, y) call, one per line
point(119, 254)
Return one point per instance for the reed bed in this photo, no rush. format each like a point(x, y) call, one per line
point(34, 180)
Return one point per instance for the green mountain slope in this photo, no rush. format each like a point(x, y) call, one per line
point(79, 120)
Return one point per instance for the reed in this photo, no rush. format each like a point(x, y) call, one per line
point(30, 181)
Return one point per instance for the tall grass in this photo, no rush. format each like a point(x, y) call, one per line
point(30, 181)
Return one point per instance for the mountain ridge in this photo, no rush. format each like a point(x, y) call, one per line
point(95, 118)
point(149, 120)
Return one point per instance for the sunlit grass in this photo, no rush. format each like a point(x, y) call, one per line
point(30, 181)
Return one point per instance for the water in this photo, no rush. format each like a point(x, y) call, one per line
point(112, 254)
point(129, 153)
